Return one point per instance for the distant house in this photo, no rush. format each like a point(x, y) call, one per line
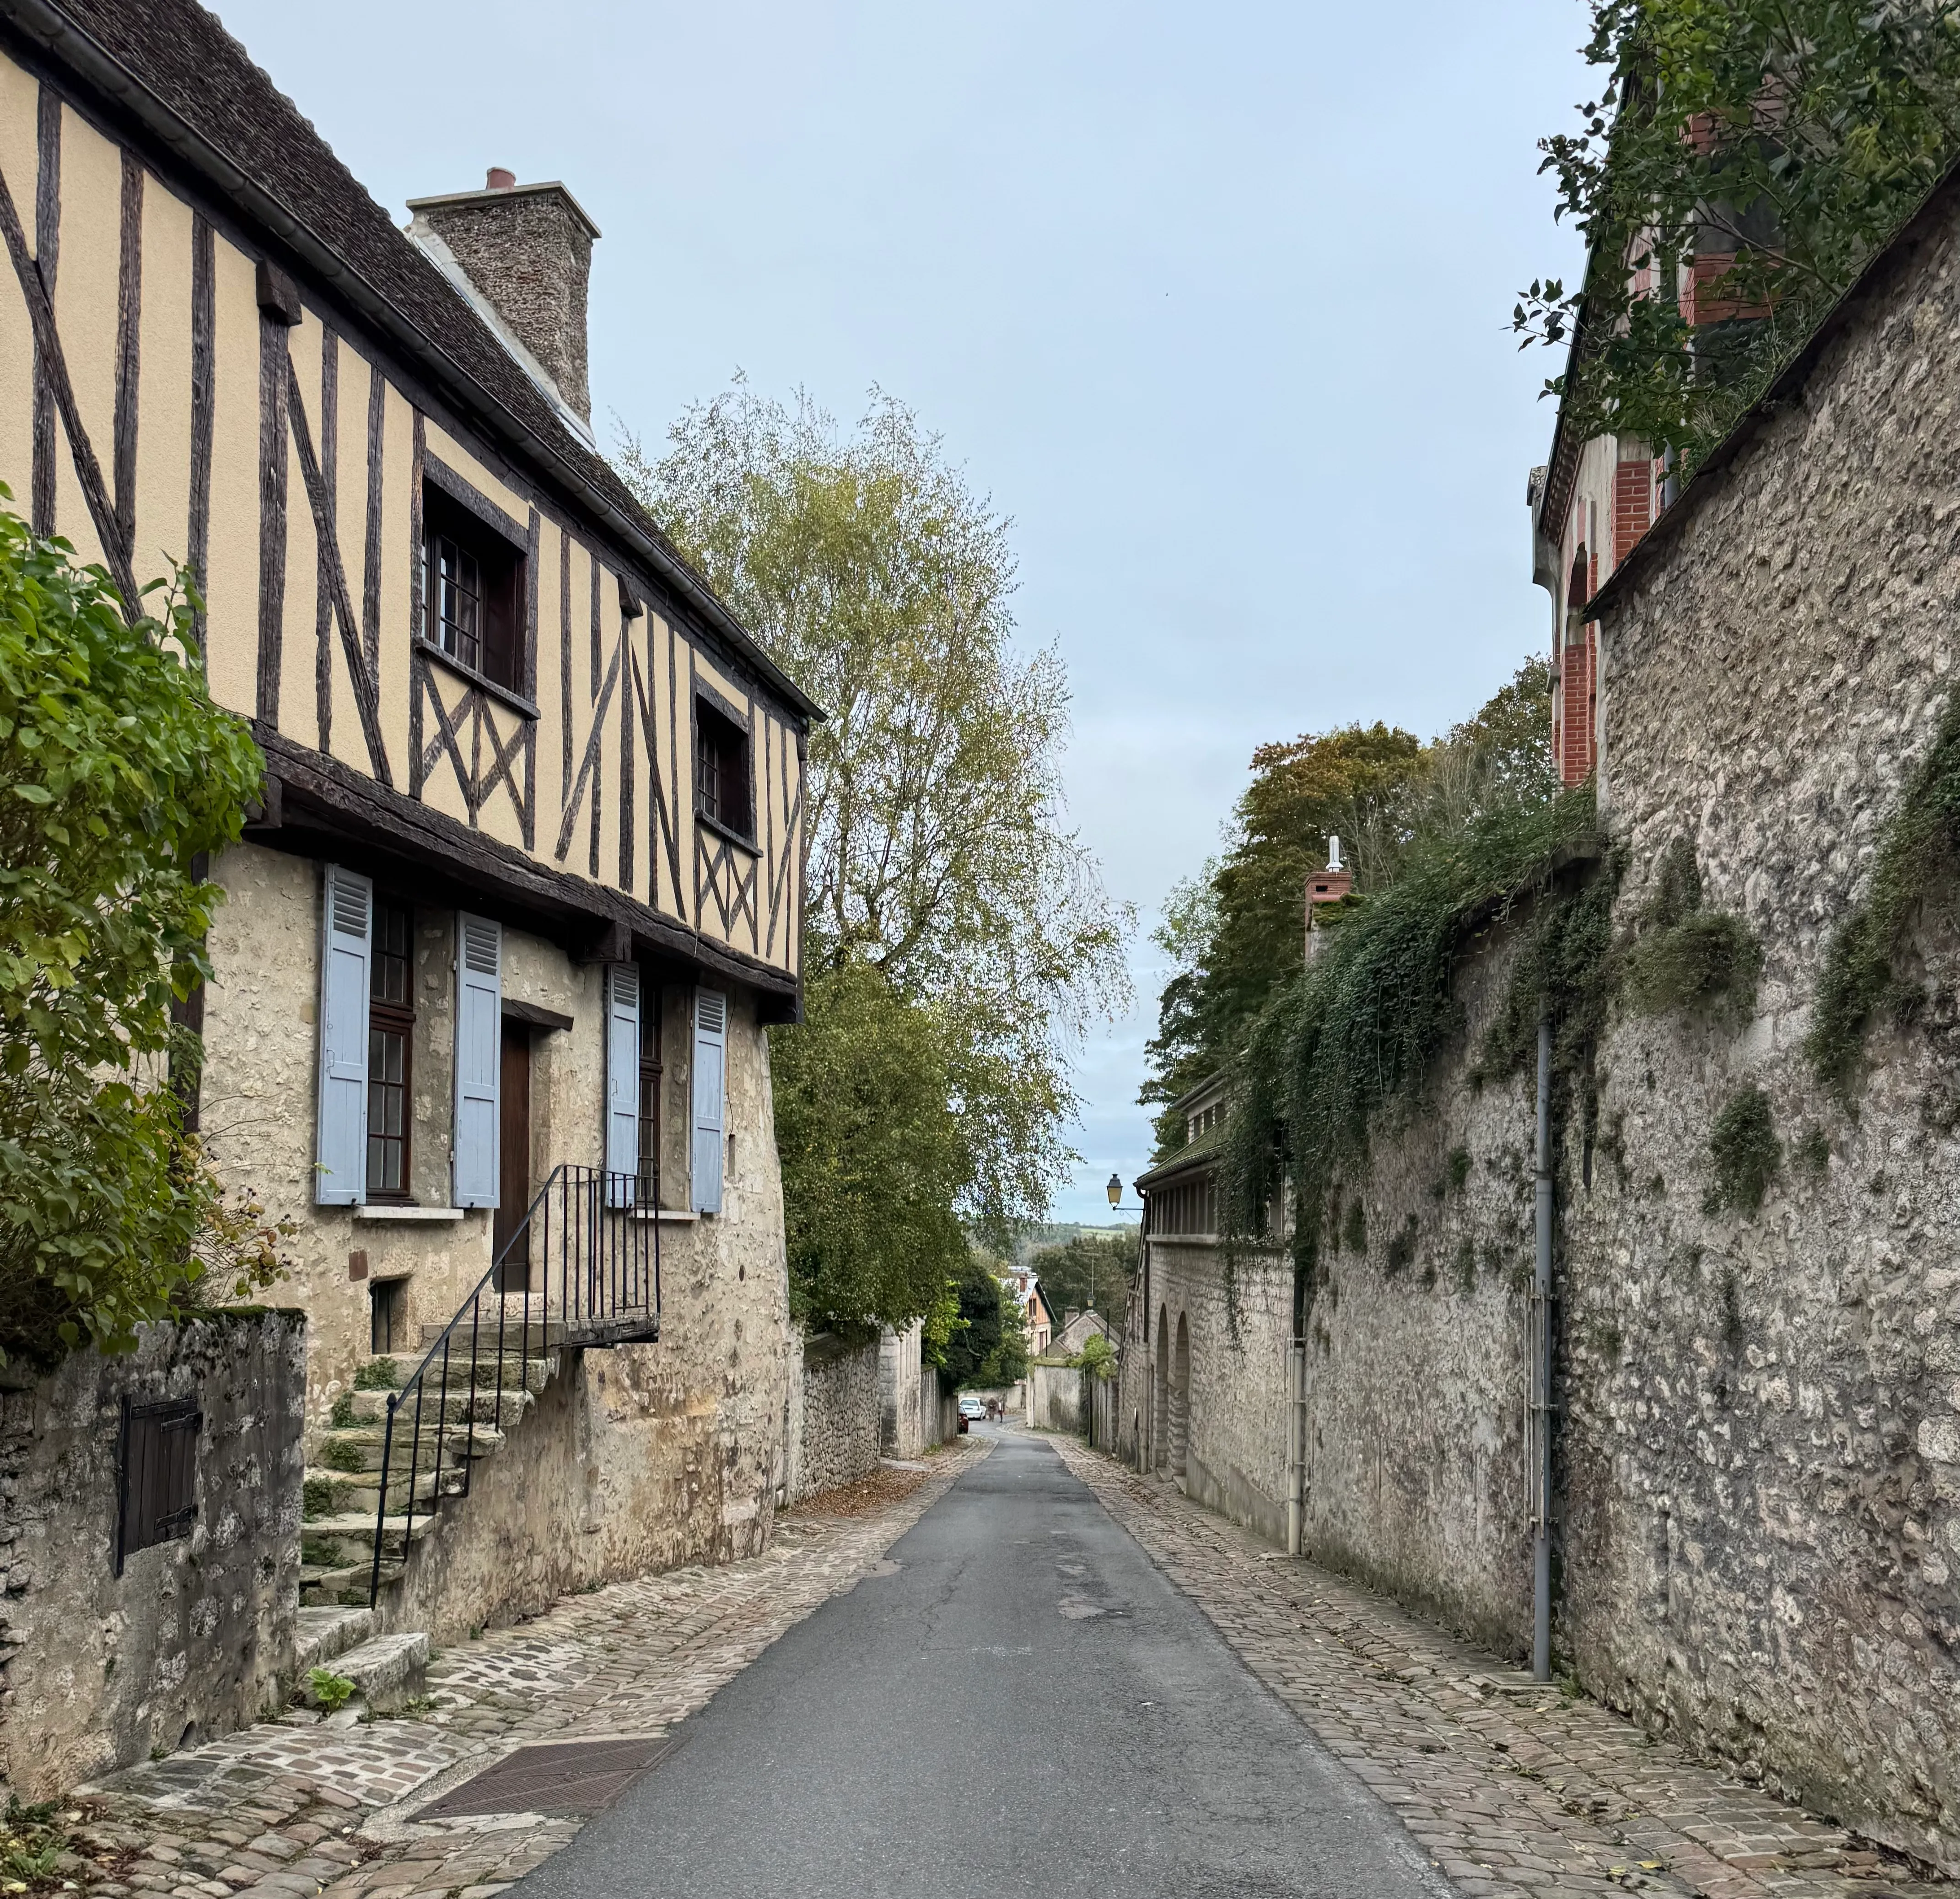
point(1078, 1328)
point(1039, 1317)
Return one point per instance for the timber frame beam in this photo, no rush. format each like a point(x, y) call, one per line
point(313, 806)
point(45, 27)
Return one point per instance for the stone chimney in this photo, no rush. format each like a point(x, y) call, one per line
point(523, 255)
point(1325, 887)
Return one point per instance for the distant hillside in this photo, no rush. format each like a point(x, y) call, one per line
point(1032, 1242)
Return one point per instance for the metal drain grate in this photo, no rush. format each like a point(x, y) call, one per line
point(569, 1776)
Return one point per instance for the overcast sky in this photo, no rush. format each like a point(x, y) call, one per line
point(1211, 301)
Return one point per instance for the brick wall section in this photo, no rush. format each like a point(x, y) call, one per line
point(1632, 506)
point(1575, 736)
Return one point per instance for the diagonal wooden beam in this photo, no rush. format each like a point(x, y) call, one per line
point(589, 763)
point(502, 767)
point(54, 367)
point(447, 737)
point(668, 835)
point(329, 554)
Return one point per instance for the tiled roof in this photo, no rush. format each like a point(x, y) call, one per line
point(173, 54)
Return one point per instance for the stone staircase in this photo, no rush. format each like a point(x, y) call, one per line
point(343, 1484)
point(386, 1670)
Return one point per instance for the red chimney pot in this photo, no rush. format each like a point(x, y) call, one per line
point(499, 179)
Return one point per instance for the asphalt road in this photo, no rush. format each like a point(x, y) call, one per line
point(1021, 1705)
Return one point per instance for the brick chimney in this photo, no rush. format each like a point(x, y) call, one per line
point(523, 255)
point(1325, 887)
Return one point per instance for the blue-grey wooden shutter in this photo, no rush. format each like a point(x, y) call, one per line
point(711, 1066)
point(622, 1082)
point(480, 1056)
point(346, 940)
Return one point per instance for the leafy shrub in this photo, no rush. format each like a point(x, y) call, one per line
point(1354, 1231)
point(1915, 861)
point(874, 1157)
point(1709, 959)
point(329, 1691)
point(1360, 1027)
point(1686, 958)
point(1747, 1155)
point(117, 774)
point(1097, 1357)
point(1402, 1248)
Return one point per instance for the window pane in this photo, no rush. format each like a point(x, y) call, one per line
point(387, 1109)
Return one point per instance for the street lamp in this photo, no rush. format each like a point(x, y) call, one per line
point(1116, 1191)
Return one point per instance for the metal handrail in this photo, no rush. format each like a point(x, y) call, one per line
point(604, 1250)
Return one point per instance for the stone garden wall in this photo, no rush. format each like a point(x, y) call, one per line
point(194, 1638)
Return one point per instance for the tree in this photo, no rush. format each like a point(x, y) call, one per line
point(973, 1354)
point(1091, 1273)
point(117, 772)
point(1773, 146)
point(872, 1155)
point(1236, 934)
point(938, 854)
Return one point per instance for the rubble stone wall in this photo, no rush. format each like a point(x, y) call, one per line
point(195, 1637)
point(1761, 1458)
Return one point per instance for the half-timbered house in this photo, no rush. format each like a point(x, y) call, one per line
point(501, 946)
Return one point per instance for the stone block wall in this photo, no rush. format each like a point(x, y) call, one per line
point(195, 1637)
point(1236, 1327)
point(1055, 1398)
point(835, 1414)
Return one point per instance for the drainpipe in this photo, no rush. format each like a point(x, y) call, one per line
point(1537, 1407)
point(1296, 1447)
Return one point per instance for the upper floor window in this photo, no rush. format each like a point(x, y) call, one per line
point(721, 769)
point(391, 1022)
point(472, 582)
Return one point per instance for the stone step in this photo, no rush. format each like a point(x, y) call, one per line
point(465, 1401)
point(327, 1631)
point(387, 1669)
point(359, 1447)
point(546, 1333)
point(347, 1585)
point(516, 1370)
point(330, 1494)
point(337, 1542)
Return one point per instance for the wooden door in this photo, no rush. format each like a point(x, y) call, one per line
point(513, 1158)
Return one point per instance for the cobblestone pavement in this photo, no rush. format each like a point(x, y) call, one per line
point(1513, 1789)
point(300, 1806)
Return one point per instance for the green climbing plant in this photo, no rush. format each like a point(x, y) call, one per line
point(1914, 867)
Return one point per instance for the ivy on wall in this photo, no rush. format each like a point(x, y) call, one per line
point(1914, 866)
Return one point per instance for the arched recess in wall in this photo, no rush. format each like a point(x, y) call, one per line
point(1180, 1399)
point(1161, 1394)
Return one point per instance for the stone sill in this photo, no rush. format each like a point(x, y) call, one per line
point(381, 1212)
point(669, 1214)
